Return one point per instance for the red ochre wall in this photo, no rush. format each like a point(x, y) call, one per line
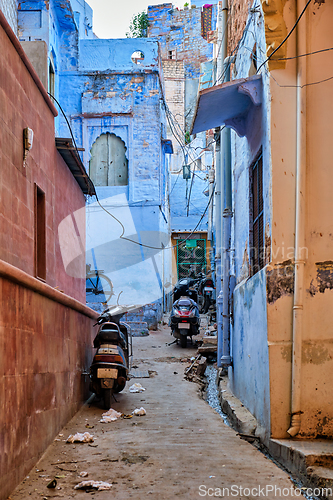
point(45, 334)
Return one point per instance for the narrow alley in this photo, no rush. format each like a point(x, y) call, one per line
point(181, 448)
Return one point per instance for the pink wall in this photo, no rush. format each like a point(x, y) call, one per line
point(45, 335)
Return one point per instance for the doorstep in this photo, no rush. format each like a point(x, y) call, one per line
point(310, 461)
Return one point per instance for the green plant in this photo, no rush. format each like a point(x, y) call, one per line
point(186, 4)
point(187, 138)
point(138, 26)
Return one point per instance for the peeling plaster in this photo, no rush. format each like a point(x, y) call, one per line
point(324, 279)
point(280, 280)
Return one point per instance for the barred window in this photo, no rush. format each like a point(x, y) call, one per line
point(257, 253)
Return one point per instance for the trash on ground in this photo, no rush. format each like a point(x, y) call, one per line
point(139, 412)
point(136, 387)
point(80, 438)
point(127, 416)
point(110, 416)
point(83, 474)
point(98, 485)
point(52, 484)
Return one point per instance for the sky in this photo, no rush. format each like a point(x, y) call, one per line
point(112, 18)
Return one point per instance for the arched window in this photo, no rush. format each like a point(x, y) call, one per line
point(108, 165)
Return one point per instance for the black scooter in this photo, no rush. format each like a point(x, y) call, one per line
point(110, 366)
point(205, 289)
point(184, 319)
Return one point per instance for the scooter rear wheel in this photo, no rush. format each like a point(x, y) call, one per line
point(107, 398)
point(183, 340)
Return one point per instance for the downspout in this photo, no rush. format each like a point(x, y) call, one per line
point(299, 227)
point(219, 185)
point(226, 230)
point(211, 177)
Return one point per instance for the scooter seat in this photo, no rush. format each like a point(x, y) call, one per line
point(110, 336)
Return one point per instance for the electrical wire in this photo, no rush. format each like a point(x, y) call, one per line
point(286, 38)
point(113, 216)
point(301, 86)
point(303, 55)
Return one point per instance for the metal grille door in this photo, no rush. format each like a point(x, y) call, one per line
point(191, 258)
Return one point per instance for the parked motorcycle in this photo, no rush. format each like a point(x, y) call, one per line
point(185, 287)
point(110, 366)
point(184, 319)
point(205, 289)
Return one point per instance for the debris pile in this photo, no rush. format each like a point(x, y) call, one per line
point(209, 344)
point(196, 371)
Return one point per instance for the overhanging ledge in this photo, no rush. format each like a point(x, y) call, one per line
point(228, 104)
point(70, 155)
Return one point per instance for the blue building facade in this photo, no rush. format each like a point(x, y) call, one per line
point(111, 92)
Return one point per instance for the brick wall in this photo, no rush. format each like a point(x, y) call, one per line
point(238, 14)
point(180, 31)
point(174, 82)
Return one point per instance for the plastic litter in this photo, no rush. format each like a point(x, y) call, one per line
point(80, 438)
point(99, 485)
point(136, 387)
point(139, 412)
point(110, 416)
point(84, 474)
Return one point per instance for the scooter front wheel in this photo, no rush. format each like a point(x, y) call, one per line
point(107, 398)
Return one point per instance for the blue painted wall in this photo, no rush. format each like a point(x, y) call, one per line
point(249, 377)
point(103, 90)
point(249, 374)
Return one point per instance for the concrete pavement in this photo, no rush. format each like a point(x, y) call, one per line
point(180, 449)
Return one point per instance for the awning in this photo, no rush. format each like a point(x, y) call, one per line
point(71, 157)
point(228, 104)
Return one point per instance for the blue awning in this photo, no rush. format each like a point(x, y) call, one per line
point(228, 104)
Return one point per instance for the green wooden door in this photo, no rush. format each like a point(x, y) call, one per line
point(191, 258)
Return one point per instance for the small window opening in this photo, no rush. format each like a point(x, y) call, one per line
point(137, 57)
point(40, 234)
point(171, 54)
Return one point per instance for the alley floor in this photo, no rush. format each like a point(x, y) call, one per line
point(181, 448)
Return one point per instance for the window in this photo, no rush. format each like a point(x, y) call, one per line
point(257, 253)
point(108, 164)
point(171, 54)
point(40, 234)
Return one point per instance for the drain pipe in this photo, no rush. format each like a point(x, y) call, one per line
point(299, 228)
point(226, 230)
point(219, 189)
